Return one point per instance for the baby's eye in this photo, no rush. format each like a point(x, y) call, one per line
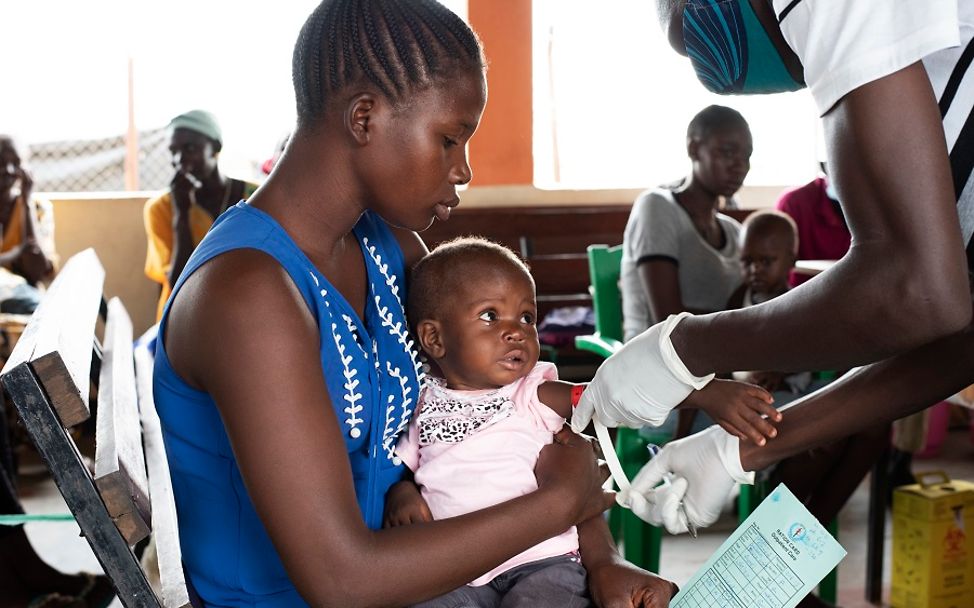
point(488, 315)
point(527, 318)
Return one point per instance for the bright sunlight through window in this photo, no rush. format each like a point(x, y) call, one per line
point(612, 101)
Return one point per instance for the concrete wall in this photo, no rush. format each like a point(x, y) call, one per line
point(112, 225)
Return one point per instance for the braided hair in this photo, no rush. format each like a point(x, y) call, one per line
point(399, 46)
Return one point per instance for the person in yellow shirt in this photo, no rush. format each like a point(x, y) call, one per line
point(26, 222)
point(177, 220)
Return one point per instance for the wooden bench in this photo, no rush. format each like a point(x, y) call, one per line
point(552, 239)
point(57, 365)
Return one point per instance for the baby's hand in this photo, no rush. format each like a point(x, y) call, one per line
point(404, 506)
point(738, 408)
point(619, 584)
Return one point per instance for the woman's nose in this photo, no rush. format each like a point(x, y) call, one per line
point(462, 173)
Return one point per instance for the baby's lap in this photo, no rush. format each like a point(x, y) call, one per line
point(555, 581)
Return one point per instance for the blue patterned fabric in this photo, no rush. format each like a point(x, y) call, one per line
point(371, 369)
point(730, 50)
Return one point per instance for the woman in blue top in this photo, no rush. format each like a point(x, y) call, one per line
point(285, 374)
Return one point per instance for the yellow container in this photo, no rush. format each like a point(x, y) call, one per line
point(933, 543)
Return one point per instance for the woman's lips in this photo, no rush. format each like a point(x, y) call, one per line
point(442, 210)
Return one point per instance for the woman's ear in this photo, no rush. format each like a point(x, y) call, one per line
point(358, 117)
point(693, 148)
point(431, 339)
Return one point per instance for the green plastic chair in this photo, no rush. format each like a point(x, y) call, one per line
point(603, 270)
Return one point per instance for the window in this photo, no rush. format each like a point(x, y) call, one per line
point(66, 79)
point(612, 101)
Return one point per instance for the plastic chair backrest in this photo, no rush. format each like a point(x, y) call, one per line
point(604, 267)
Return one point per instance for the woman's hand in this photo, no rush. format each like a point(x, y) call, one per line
point(619, 584)
point(568, 467)
point(404, 506)
point(738, 408)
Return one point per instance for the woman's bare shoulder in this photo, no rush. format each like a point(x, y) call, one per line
point(239, 304)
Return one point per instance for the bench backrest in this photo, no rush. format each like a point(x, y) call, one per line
point(57, 363)
point(552, 239)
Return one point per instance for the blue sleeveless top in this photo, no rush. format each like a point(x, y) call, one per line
point(372, 372)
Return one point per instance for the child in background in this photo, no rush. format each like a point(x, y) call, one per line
point(478, 429)
point(769, 249)
point(823, 478)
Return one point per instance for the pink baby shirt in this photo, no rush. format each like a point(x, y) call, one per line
point(471, 450)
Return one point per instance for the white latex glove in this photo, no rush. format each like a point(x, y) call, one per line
point(639, 384)
point(703, 469)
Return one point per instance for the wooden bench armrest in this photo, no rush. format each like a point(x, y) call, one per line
point(165, 529)
point(58, 339)
point(119, 460)
point(48, 378)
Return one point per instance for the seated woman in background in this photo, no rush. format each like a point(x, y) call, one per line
point(679, 253)
point(26, 222)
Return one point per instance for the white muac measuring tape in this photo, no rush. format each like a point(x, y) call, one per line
point(618, 475)
point(612, 461)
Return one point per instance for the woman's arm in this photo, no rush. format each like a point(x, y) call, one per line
point(711, 462)
point(869, 396)
point(903, 282)
point(889, 161)
point(661, 282)
point(241, 331)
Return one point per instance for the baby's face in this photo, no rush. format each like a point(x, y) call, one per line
point(489, 331)
point(765, 263)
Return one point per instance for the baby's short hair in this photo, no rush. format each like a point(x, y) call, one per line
point(770, 222)
point(435, 276)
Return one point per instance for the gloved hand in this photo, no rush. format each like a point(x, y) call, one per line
point(703, 469)
point(640, 384)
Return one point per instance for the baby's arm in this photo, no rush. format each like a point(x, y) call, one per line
point(740, 409)
point(405, 505)
point(557, 394)
point(612, 580)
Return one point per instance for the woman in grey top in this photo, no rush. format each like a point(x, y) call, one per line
point(679, 253)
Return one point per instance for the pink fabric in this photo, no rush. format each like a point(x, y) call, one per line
point(491, 465)
point(822, 235)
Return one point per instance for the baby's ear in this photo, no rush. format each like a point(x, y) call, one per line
point(430, 338)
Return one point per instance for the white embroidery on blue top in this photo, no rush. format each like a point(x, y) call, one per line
point(393, 424)
point(351, 397)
